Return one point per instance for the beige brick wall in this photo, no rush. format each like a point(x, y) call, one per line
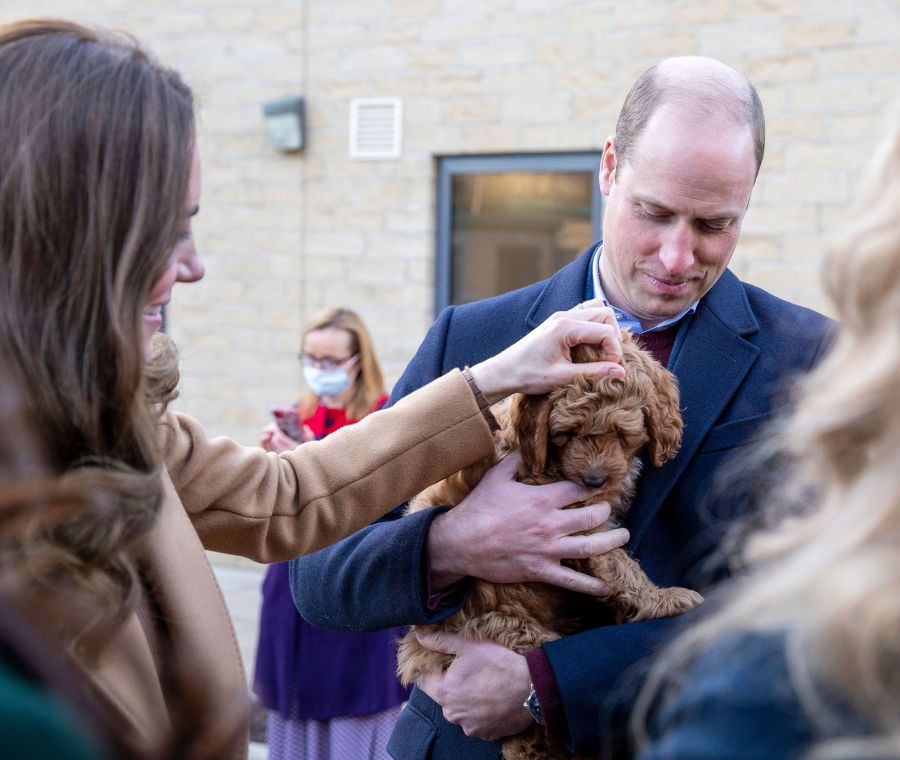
point(285, 235)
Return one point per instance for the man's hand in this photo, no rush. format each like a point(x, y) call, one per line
point(509, 532)
point(483, 689)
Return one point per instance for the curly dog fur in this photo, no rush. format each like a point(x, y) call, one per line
point(590, 431)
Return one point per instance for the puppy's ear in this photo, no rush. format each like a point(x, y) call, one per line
point(662, 413)
point(664, 417)
point(530, 417)
point(584, 353)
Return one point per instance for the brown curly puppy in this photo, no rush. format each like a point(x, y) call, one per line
point(590, 431)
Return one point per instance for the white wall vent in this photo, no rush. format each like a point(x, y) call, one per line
point(376, 128)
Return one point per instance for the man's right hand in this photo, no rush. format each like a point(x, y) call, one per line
point(509, 532)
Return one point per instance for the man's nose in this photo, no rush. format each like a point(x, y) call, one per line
point(677, 251)
point(190, 267)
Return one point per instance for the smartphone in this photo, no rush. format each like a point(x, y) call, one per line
point(288, 422)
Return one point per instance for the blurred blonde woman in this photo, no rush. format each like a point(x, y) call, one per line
point(803, 660)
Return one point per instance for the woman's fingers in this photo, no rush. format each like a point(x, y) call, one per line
point(542, 359)
point(599, 332)
point(594, 310)
point(598, 369)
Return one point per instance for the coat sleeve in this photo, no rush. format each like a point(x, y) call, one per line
point(736, 703)
point(375, 578)
point(273, 507)
point(598, 674)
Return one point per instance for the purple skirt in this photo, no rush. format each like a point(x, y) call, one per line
point(306, 672)
point(360, 738)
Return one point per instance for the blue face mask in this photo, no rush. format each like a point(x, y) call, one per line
point(327, 382)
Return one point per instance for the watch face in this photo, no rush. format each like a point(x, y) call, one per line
point(531, 704)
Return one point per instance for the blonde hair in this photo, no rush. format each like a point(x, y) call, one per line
point(827, 571)
point(369, 383)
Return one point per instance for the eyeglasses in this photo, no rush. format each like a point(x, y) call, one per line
point(324, 362)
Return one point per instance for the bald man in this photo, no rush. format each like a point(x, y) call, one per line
point(677, 175)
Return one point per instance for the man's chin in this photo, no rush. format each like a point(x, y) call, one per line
point(665, 307)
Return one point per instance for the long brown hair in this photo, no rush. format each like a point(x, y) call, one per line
point(94, 166)
point(34, 593)
point(96, 139)
point(369, 383)
point(46, 598)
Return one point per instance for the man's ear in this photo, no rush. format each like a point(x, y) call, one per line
point(608, 165)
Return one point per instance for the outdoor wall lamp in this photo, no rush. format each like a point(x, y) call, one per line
point(285, 123)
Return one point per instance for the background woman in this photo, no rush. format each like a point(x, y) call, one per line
point(804, 658)
point(99, 182)
point(330, 694)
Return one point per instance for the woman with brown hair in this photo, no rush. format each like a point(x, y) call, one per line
point(99, 181)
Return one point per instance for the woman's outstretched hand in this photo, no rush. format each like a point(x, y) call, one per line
point(542, 360)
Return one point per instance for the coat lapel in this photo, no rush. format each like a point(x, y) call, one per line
point(710, 365)
point(565, 289)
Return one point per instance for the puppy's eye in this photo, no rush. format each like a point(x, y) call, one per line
point(561, 438)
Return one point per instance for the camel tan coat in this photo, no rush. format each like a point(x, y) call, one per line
point(268, 507)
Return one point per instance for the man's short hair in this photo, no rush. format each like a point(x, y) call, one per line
point(701, 96)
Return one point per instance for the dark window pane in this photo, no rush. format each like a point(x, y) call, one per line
point(511, 229)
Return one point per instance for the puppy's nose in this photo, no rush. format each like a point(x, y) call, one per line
point(593, 481)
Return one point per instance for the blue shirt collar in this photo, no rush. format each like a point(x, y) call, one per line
point(626, 321)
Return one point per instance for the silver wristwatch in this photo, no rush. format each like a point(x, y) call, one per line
point(534, 708)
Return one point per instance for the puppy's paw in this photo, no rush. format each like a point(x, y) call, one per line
point(680, 600)
point(414, 660)
point(662, 602)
